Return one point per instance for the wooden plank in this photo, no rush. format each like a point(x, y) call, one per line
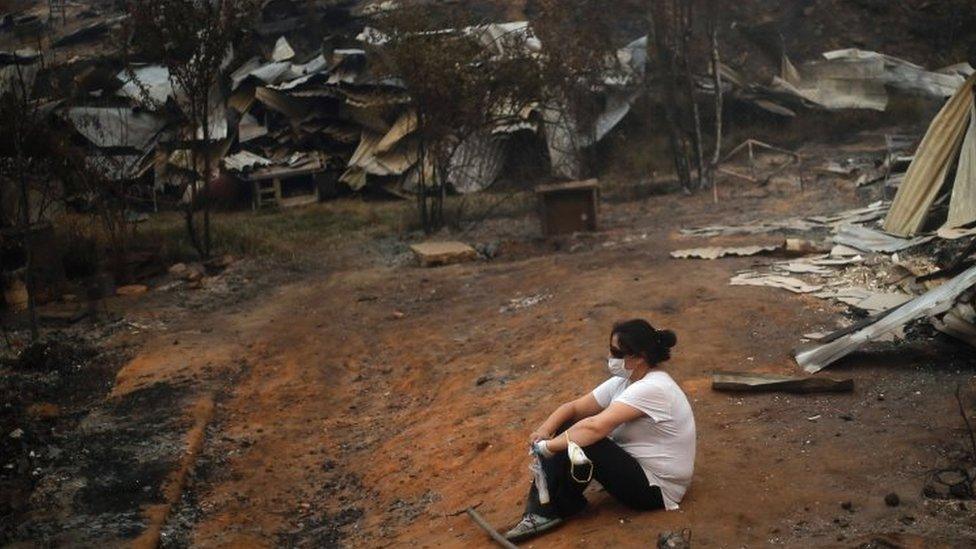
point(758, 383)
point(569, 186)
point(302, 200)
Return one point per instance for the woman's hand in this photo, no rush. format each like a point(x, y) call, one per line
point(538, 435)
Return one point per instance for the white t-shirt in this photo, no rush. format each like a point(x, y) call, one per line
point(663, 440)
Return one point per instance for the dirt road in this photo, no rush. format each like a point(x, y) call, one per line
point(366, 407)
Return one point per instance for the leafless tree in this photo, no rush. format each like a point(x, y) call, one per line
point(195, 41)
point(673, 45)
point(578, 57)
point(29, 152)
point(461, 81)
point(713, 24)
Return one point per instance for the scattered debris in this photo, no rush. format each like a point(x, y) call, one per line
point(932, 303)
point(675, 540)
point(869, 240)
point(759, 382)
point(751, 145)
point(871, 212)
point(717, 252)
point(803, 246)
point(791, 284)
point(524, 302)
point(432, 254)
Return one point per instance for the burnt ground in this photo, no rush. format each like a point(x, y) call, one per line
point(365, 403)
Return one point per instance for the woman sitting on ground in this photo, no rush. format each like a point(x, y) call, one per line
point(636, 428)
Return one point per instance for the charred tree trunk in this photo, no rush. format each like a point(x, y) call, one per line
point(713, 24)
point(206, 176)
point(685, 22)
point(23, 124)
point(189, 211)
point(422, 163)
point(29, 279)
point(661, 28)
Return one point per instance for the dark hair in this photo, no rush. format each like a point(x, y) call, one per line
point(638, 337)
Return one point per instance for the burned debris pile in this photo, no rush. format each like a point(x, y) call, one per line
point(893, 263)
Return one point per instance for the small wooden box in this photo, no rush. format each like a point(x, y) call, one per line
point(568, 207)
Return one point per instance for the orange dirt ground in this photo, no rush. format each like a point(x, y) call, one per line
point(327, 397)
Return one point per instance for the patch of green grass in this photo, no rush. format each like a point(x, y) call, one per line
point(279, 234)
point(293, 235)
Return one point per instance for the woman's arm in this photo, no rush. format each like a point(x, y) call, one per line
point(575, 410)
point(592, 429)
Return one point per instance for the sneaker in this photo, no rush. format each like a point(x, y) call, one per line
point(531, 525)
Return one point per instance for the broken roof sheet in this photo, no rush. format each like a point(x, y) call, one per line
point(962, 204)
point(932, 303)
point(476, 162)
point(21, 65)
point(870, 240)
point(788, 283)
point(933, 160)
point(250, 128)
point(115, 126)
point(404, 126)
point(151, 80)
point(282, 50)
point(255, 167)
point(244, 161)
point(717, 252)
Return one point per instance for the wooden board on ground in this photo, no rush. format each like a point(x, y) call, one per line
point(431, 254)
point(756, 382)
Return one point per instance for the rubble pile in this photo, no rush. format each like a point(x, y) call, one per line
point(302, 117)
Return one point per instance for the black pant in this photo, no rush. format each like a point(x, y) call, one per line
point(613, 467)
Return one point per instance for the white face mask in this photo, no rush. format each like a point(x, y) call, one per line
point(618, 367)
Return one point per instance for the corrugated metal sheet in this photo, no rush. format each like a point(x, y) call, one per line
point(962, 207)
point(931, 164)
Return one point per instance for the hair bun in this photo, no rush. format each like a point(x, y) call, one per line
point(667, 338)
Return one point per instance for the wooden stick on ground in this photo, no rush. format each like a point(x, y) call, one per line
point(480, 521)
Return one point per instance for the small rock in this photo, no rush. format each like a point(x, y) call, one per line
point(224, 261)
point(16, 433)
point(935, 490)
point(484, 379)
point(892, 500)
point(847, 506)
point(847, 417)
point(178, 269)
point(951, 477)
point(489, 250)
point(69, 298)
point(194, 272)
point(397, 315)
point(132, 290)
